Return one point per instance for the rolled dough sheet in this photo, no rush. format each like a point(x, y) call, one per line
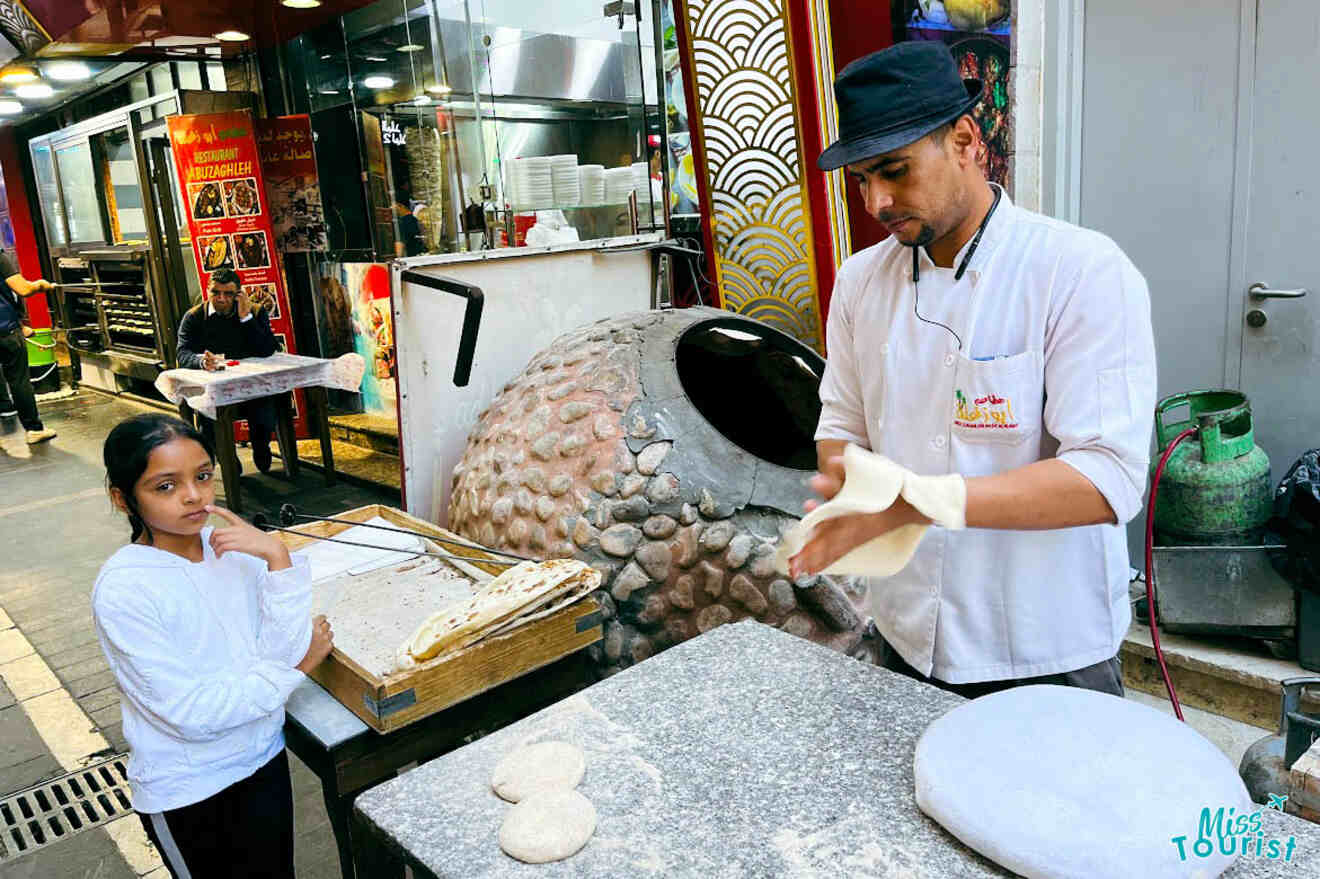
point(333, 559)
point(871, 485)
point(372, 613)
point(542, 766)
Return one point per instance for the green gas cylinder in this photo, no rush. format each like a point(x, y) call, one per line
point(1216, 488)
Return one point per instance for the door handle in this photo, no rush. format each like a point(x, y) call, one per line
point(1261, 290)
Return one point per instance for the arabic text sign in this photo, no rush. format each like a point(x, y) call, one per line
point(288, 163)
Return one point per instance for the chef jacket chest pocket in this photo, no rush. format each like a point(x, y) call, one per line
point(998, 401)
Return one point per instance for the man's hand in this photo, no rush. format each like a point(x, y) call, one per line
point(244, 304)
point(240, 536)
point(28, 331)
point(835, 538)
point(828, 482)
point(41, 285)
point(210, 362)
point(323, 641)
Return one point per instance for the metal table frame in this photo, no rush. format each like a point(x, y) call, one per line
point(349, 757)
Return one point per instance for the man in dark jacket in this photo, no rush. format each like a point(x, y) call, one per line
point(226, 326)
point(14, 288)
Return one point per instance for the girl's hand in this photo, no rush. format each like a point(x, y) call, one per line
point(240, 536)
point(323, 641)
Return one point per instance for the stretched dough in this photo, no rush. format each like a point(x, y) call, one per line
point(543, 766)
point(548, 826)
point(871, 485)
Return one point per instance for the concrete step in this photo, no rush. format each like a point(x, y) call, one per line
point(378, 433)
point(1235, 678)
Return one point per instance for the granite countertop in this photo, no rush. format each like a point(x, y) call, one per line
point(743, 752)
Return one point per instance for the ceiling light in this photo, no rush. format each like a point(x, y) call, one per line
point(232, 36)
point(301, 4)
point(327, 91)
point(439, 89)
point(378, 82)
point(68, 71)
point(422, 99)
point(9, 108)
point(410, 47)
point(376, 58)
point(18, 74)
point(34, 90)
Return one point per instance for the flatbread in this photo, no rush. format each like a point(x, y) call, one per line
point(871, 485)
point(523, 588)
point(548, 826)
point(543, 766)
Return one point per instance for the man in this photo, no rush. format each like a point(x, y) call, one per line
point(226, 326)
point(983, 340)
point(13, 350)
point(410, 241)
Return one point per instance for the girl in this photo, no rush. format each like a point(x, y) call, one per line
point(207, 631)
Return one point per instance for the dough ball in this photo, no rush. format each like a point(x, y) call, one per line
point(543, 766)
point(549, 825)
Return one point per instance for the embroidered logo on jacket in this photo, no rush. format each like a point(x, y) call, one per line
point(990, 412)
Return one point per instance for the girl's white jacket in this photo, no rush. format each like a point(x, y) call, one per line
point(204, 653)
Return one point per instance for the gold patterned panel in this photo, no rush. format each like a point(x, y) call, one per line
point(760, 216)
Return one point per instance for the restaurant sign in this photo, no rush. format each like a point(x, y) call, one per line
point(220, 178)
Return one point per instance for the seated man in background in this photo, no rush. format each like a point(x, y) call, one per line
point(227, 326)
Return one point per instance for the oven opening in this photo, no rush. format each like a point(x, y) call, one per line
point(757, 386)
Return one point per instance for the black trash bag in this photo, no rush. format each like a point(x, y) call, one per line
point(1296, 524)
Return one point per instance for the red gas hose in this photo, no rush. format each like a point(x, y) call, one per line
point(1150, 567)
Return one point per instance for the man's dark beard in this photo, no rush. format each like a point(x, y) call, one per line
point(924, 237)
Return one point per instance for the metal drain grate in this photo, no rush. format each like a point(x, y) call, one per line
point(57, 809)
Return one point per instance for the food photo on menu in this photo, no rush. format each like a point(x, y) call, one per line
point(241, 197)
point(205, 201)
point(262, 296)
point(217, 252)
point(252, 250)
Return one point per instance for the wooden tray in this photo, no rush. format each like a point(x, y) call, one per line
point(394, 701)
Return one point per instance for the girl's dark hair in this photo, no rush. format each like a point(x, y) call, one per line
point(129, 446)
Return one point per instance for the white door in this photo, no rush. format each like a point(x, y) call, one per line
point(1281, 333)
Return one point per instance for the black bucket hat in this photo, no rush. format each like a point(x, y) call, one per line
point(895, 97)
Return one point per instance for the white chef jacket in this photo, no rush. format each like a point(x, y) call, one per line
point(1057, 359)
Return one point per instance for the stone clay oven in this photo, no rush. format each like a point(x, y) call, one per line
point(669, 450)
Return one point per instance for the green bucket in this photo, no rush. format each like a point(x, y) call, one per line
point(41, 348)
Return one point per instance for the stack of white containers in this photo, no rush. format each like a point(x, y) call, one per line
point(641, 182)
point(591, 184)
point(618, 185)
point(532, 183)
point(564, 176)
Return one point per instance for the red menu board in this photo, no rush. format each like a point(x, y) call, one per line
point(220, 178)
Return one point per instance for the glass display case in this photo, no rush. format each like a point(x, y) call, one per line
point(485, 123)
point(110, 211)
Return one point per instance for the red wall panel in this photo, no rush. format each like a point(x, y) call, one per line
point(857, 28)
point(20, 215)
